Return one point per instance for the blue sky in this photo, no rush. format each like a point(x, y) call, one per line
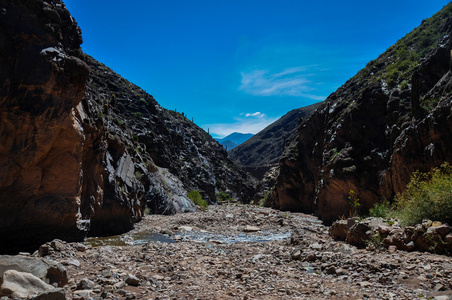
point(239, 65)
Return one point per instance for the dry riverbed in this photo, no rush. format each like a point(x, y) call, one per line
point(245, 252)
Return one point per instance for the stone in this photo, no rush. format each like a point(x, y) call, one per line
point(71, 261)
point(82, 294)
point(439, 287)
point(185, 228)
point(441, 229)
point(57, 294)
point(24, 285)
point(250, 228)
point(132, 280)
point(442, 297)
point(158, 277)
point(45, 269)
point(44, 250)
point(359, 234)
point(80, 247)
point(392, 249)
point(296, 255)
point(310, 257)
point(365, 284)
point(120, 284)
point(86, 284)
point(57, 245)
point(316, 246)
point(338, 230)
point(346, 249)
point(330, 270)
point(341, 272)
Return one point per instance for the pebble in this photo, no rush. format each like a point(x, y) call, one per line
point(316, 267)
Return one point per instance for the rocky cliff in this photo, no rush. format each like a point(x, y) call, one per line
point(392, 118)
point(83, 151)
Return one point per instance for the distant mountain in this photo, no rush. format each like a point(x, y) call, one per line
point(264, 149)
point(228, 145)
point(234, 139)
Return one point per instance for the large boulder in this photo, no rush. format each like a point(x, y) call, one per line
point(25, 285)
point(47, 270)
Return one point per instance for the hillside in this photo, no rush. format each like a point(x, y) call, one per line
point(234, 139)
point(391, 118)
point(264, 149)
point(83, 151)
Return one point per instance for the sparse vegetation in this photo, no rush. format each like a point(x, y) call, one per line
point(396, 66)
point(381, 210)
point(353, 201)
point(197, 199)
point(428, 196)
point(138, 175)
point(265, 199)
point(224, 197)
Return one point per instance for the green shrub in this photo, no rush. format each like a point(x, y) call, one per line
point(224, 197)
point(197, 199)
point(428, 196)
point(381, 210)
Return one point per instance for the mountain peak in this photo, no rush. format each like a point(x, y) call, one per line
point(234, 139)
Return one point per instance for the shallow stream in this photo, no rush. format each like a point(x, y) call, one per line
point(196, 236)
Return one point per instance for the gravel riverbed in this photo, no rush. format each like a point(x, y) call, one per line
point(245, 252)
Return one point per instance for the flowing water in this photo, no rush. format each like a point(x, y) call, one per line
point(197, 236)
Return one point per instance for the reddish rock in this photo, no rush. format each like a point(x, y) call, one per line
point(359, 234)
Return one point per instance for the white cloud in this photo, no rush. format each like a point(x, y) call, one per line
point(255, 115)
point(289, 82)
point(243, 125)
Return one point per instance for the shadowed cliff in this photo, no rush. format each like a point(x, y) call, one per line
point(82, 150)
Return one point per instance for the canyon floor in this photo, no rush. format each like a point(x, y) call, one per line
point(245, 252)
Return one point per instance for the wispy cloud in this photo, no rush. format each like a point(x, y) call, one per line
point(255, 115)
point(247, 123)
point(288, 82)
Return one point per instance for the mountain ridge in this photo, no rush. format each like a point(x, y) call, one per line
point(263, 151)
point(371, 134)
point(234, 139)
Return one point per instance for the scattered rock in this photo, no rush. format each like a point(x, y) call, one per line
point(250, 228)
point(185, 228)
point(296, 255)
point(132, 280)
point(86, 284)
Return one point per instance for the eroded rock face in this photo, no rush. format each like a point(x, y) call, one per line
point(82, 150)
point(42, 141)
point(369, 137)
